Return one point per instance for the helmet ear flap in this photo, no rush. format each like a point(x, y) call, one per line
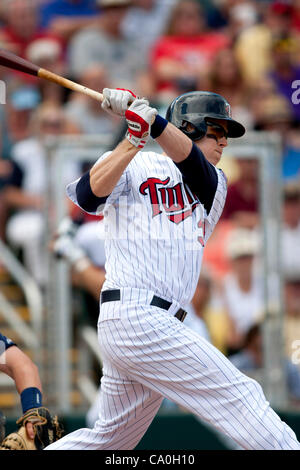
point(193, 132)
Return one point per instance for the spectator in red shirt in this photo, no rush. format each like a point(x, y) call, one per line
point(185, 51)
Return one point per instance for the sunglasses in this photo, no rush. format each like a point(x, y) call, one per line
point(216, 131)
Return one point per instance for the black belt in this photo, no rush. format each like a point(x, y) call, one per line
point(114, 295)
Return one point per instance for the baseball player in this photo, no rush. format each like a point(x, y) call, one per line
point(36, 426)
point(160, 210)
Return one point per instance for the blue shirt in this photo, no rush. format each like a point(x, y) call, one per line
point(68, 8)
point(291, 163)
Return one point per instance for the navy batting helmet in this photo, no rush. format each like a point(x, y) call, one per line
point(196, 107)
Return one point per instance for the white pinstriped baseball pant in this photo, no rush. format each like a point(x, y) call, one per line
point(148, 354)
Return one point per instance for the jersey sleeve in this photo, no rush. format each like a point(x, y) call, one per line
point(218, 203)
point(5, 343)
point(122, 187)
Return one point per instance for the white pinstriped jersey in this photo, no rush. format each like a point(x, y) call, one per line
point(156, 228)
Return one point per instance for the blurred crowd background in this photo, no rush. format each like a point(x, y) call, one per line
point(247, 51)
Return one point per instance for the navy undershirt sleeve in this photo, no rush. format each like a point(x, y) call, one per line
point(200, 176)
point(87, 200)
point(5, 343)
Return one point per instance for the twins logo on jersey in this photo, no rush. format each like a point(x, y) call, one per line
point(169, 199)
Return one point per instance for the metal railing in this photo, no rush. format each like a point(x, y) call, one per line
point(31, 333)
point(266, 148)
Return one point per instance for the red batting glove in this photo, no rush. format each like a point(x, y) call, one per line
point(139, 117)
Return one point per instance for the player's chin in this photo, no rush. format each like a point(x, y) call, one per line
point(217, 156)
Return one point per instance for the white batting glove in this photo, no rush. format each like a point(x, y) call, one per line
point(116, 101)
point(64, 245)
point(139, 117)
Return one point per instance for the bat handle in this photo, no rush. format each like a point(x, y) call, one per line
point(47, 75)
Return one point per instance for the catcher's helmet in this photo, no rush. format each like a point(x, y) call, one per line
point(196, 107)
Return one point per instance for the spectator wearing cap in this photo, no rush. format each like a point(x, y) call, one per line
point(274, 113)
point(105, 44)
point(21, 103)
point(48, 54)
point(242, 288)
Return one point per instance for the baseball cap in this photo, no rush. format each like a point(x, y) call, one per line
point(43, 49)
point(274, 109)
point(25, 98)
point(242, 242)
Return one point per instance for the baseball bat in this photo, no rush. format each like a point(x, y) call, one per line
point(14, 62)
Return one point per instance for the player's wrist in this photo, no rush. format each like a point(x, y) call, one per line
point(136, 141)
point(158, 126)
point(31, 397)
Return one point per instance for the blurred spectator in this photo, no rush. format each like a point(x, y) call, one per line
point(274, 113)
point(290, 233)
point(25, 192)
point(285, 70)
point(105, 44)
point(146, 21)
point(296, 16)
point(181, 57)
point(241, 204)
point(83, 248)
point(253, 45)
point(48, 54)
point(215, 257)
point(225, 78)
point(87, 112)
point(241, 15)
point(250, 359)
point(5, 172)
point(21, 26)
point(242, 288)
point(292, 313)
point(198, 305)
point(215, 13)
point(66, 17)
point(21, 103)
point(204, 317)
